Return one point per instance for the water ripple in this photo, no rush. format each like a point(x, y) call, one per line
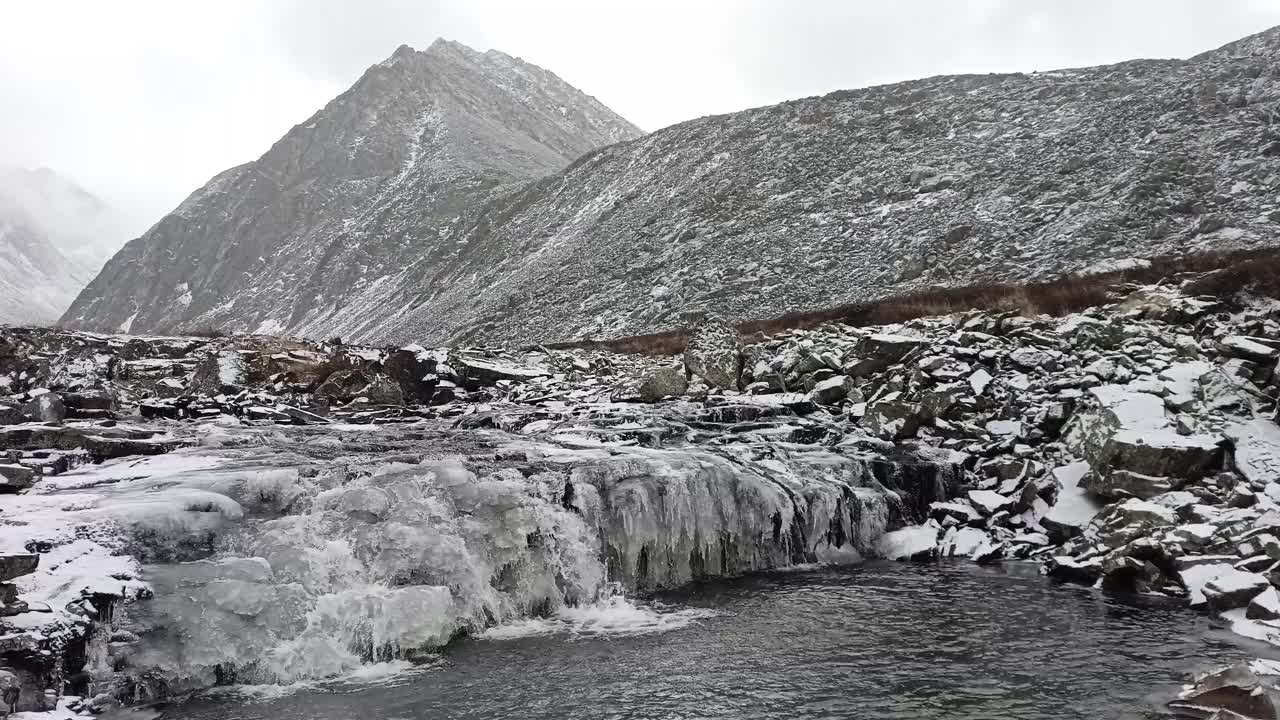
point(884, 642)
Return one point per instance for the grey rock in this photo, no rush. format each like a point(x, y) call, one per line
point(219, 372)
point(17, 565)
point(47, 408)
point(989, 502)
point(892, 420)
point(1249, 349)
point(1119, 484)
point(1232, 693)
point(832, 390)
point(1234, 589)
point(1069, 569)
point(713, 352)
point(1264, 606)
point(661, 383)
point(343, 386)
point(15, 477)
point(1161, 453)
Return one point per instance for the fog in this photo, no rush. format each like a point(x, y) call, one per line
point(142, 102)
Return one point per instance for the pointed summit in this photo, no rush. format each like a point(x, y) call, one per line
point(384, 175)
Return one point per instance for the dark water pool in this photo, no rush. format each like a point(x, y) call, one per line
point(878, 642)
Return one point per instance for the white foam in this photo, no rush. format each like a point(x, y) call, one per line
point(614, 617)
point(382, 674)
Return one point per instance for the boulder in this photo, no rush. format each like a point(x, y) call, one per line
point(1005, 428)
point(47, 408)
point(831, 391)
point(1160, 453)
point(1120, 484)
point(1194, 535)
point(1256, 449)
point(989, 502)
point(16, 477)
point(382, 390)
point(1239, 346)
point(960, 512)
point(1112, 409)
point(1228, 694)
point(413, 368)
point(660, 383)
point(89, 403)
point(218, 373)
point(1121, 522)
point(11, 413)
point(1069, 569)
point(713, 351)
point(876, 353)
point(342, 386)
point(979, 381)
point(1264, 606)
point(17, 565)
point(107, 448)
point(476, 372)
point(1029, 358)
point(1233, 589)
point(892, 420)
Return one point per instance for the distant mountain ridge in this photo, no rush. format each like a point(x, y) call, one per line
point(811, 203)
point(54, 236)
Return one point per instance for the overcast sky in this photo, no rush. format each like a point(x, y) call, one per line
point(142, 102)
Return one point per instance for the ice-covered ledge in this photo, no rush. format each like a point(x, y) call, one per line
point(281, 553)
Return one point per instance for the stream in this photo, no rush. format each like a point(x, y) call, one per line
point(882, 641)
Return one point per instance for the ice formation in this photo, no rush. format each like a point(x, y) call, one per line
point(278, 556)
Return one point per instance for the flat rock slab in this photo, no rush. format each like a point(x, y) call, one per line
point(17, 565)
point(1257, 449)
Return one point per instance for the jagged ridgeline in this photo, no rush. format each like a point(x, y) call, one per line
point(439, 200)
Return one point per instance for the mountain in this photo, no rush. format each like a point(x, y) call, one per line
point(54, 236)
point(861, 194)
point(811, 203)
point(383, 175)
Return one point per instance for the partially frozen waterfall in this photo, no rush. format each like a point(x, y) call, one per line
point(275, 558)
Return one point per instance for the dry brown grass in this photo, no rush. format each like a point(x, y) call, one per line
point(1217, 273)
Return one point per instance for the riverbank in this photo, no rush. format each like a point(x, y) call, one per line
point(331, 507)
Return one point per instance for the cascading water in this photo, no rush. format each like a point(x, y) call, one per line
point(283, 558)
point(401, 559)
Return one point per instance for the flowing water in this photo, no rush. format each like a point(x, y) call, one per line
point(878, 642)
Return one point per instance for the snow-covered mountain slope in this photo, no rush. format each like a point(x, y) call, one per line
point(411, 209)
point(860, 194)
point(54, 236)
point(380, 177)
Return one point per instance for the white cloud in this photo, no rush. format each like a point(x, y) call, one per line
point(143, 101)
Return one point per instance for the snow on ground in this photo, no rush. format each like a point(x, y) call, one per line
point(78, 521)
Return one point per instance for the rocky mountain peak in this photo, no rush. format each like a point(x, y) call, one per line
point(418, 206)
point(383, 173)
